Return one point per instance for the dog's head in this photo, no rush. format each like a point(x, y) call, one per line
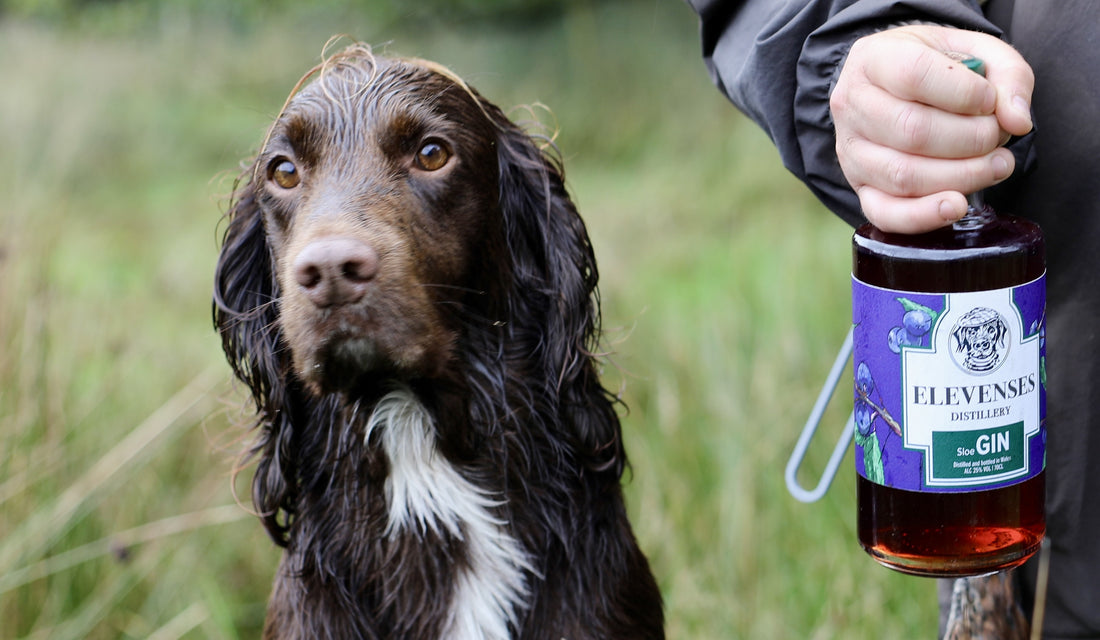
point(378, 186)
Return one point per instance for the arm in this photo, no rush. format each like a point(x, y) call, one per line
point(778, 62)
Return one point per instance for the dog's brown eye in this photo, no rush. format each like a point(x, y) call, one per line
point(284, 173)
point(432, 156)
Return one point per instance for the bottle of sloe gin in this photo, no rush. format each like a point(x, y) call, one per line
point(950, 394)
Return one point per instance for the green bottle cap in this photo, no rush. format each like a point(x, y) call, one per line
point(974, 64)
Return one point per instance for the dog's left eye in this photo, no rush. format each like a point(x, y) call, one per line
point(433, 154)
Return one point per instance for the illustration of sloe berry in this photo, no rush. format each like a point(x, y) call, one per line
point(864, 414)
point(865, 384)
point(916, 322)
point(864, 417)
point(899, 337)
point(866, 409)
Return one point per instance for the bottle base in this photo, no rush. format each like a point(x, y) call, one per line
point(1003, 549)
point(951, 534)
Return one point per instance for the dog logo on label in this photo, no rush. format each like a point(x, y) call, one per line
point(980, 341)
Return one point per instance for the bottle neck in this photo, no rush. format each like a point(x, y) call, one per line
point(978, 213)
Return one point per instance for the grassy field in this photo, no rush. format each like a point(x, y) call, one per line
point(724, 286)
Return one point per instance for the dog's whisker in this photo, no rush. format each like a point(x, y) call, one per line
point(451, 287)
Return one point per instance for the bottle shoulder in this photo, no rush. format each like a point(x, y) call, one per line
point(1003, 235)
point(1005, 252)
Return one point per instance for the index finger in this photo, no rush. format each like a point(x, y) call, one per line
point(1005, 69)
point(913, 70)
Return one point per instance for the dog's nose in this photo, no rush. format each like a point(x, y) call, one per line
point(335, 271)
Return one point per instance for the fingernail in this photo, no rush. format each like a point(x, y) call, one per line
point(1000, 168)
point(949, 212)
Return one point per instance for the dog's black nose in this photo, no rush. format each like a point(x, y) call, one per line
point(335, 271)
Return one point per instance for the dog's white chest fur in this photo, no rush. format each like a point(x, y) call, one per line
point(427, 493)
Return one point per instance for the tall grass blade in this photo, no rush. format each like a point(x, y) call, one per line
point(122, 540)
point(44, 527)
point(184, 622)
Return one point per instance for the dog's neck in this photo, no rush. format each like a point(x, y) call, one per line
point(426, 493)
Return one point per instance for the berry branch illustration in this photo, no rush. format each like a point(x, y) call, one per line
point(916, 322)
point(866, 410)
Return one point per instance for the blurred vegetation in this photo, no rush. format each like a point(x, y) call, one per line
point(724, 286)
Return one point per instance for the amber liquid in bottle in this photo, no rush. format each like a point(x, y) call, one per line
point(960, 533)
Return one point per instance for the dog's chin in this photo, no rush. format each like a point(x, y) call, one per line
point(345, 365)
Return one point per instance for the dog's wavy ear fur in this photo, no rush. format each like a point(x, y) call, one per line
point(554, 299)
point(246, 295)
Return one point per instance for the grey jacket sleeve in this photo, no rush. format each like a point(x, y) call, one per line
point(776, 60)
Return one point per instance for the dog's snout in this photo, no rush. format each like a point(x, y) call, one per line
point(335, 271)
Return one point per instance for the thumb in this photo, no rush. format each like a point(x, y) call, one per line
point(1011, 77)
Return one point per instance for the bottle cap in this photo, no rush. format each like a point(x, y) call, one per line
point(974, 64)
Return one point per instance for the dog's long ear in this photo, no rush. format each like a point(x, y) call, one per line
point(245, 308)
point(555, 304)
point(245, 294)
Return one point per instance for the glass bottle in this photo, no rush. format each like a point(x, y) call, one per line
point(949, 368)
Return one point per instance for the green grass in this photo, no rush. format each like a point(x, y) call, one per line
point(724, 287)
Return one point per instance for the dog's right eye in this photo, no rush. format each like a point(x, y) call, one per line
point(433, 155)
point(284, 173)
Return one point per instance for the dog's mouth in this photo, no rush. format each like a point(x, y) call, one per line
point(343, 362)
point(350, 359)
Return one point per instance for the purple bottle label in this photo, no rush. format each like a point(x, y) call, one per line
point(950, 388)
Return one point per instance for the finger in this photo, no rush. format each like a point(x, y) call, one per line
point(912, 70)
point(874, 114)
point(1008, 72)
point(909, 175)
point(894, 214)
point(1014, 111)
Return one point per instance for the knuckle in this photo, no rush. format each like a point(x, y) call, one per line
point(902, 176)
point(853, 163)
point(914, 126)
point(836, 99)
point(862, 49)
point(921, 72)
point(969, 175)
point(986, 136)
point(840, 105)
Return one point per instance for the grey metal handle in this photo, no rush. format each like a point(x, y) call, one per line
point(798, 491)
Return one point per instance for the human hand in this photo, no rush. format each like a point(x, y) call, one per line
point(916, 130)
